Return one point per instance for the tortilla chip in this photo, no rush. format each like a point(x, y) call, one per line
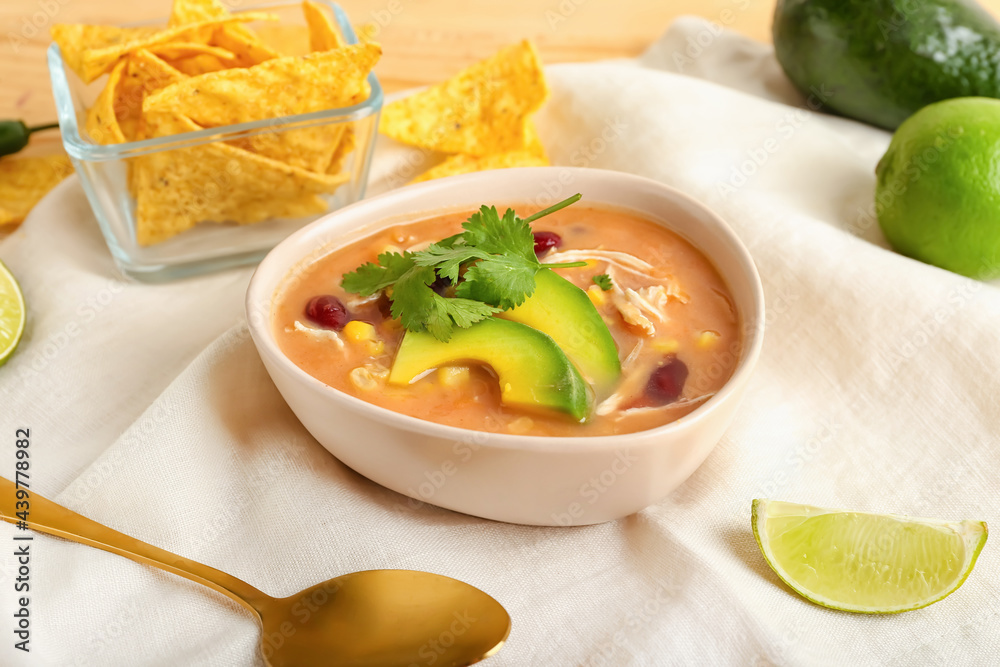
point(532, 143)
point(102, 122)
point(215, 182)
point(279, 87)
point(198, 65)
point(323, 34)
point(244, 44)
point(24, 181)
point(182, 50)
point(465, 164)
point(144, 73)
point(186, 12)
point(269, 208)
point(75, 39)
point(345, 144)
point(98, 61)
point(480, 111)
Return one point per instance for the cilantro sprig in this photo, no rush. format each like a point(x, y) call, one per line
point(603, 281)
point(492, 265)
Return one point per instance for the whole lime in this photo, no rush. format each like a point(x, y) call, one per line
point(938, 190)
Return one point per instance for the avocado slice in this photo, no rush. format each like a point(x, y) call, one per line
point(565, 312)
point(533, 372)
point(879, 61)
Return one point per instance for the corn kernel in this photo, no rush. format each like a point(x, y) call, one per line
point(357, 331)
point(596, 295)
point(375, 347)
point(708, 339)
point(521, 425)
point(363, 379)
point(666, 345)
point(454, 376)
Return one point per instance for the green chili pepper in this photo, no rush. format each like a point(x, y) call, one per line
point(14, 135)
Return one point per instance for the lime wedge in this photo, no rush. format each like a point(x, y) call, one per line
point(862, 562)
point(12, 314)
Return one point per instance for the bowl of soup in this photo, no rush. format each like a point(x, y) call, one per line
point(568, 369)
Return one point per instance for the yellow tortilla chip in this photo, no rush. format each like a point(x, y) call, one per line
point(98, 61)
point(24, 181)
point(532, 143)
point(244, 44)
point(464, 164)
point(323, 34)
point(279, 87)
point(181, 50)
point(198, 65)
point(345, 144)
point(177, 189)
point(285, 39)
point(102, 122)
point(75, 39)
point(480, 111)
point(186, 12)
point(268, 208)
point(144, 73)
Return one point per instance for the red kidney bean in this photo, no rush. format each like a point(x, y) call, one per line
point(328, 311)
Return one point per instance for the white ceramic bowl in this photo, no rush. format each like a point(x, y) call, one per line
point(521, 479)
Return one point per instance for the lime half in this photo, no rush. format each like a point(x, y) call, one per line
point(12, 314)
point(868, 563)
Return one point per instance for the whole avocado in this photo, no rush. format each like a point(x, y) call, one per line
point(879, 61)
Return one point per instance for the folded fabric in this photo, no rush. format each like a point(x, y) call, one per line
point(150, 411)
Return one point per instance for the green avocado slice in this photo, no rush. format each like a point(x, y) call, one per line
point(565, 312)
point(533, 372)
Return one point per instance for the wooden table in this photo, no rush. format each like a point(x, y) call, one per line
point(425, 40)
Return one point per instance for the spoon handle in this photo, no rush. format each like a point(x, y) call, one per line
point(45, 516)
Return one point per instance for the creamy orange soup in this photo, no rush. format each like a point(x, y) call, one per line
point(669, 312)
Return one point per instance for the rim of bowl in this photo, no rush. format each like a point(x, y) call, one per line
point(262, 335)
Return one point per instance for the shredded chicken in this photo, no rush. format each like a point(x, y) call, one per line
point(633, 355)
point(629, 307)
point(614, 402)
point(358, 301)
point(610, 404)
point(639, 307)
point(320, 334)
point(684, 402)
point(622, 260)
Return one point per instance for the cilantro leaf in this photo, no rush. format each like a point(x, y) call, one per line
point(413, 299)
point(370, 278)
point(508, 235)
point(420, 308)
point(501, 281)
point(466, 312)
point(603, 281)
point(447, 260)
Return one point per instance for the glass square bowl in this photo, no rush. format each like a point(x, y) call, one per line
point(210, 245)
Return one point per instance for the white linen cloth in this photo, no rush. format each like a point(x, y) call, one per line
point(877, 390)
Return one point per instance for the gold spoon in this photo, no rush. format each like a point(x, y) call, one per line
point(376, 617)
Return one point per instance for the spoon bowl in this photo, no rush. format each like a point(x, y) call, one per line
point(382, 618)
